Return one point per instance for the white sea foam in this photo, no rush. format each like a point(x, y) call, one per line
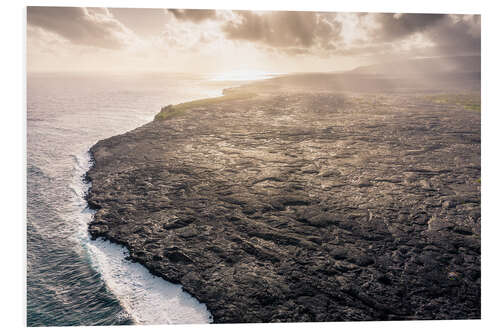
point(147, 299)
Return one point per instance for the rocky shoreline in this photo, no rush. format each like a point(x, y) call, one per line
point(298, 205)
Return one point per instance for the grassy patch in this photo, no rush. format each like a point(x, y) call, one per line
point(173, 111)
point(470, 102)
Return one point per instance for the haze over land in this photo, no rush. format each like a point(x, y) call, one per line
point(123, 40)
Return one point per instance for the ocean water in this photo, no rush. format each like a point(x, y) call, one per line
point(72, 280)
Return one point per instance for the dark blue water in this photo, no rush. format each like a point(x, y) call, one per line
point(72, 280)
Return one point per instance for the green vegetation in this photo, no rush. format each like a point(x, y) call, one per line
point(470, 102)
point(172, 111)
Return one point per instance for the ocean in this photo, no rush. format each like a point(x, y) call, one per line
point(72, 280)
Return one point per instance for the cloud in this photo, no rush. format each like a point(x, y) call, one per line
point(397, 26)
point(356, 34)
point(224, 39)
point(449, 34)
point(86, 26)
point(146, 22)
point(194, 15)
point(297, 32)
point(457, 34)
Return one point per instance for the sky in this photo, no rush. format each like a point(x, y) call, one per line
point(74, 39)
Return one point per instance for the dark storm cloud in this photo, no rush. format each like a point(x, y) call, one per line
point(194, 15)
point(457, 35)
point(93, 27)
point(396, 26)
point(285, 30)
point(451, 34)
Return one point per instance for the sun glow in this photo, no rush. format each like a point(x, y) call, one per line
point(243, 75)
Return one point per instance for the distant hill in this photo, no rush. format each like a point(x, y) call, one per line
point(423, 66)
point(429, 75)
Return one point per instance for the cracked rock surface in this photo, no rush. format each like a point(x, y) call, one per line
point(303, 206)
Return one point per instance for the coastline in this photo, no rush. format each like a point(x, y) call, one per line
point(252, 238)
point(116, 246)
point(110, 259)
point(185, 309)
point(59, 262)
point(194, 311)
point(123, 276)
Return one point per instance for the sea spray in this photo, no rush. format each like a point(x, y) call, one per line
point(147, 299)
